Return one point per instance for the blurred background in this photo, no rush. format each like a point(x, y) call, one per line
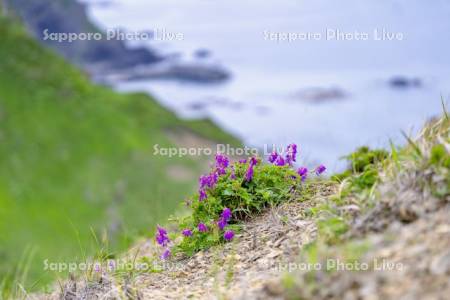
point(79, 120)
point(328, 96)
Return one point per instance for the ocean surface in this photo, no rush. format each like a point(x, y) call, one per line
point(316, 73)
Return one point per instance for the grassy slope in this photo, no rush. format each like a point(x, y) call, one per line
point(72, 155)
point(388, 205)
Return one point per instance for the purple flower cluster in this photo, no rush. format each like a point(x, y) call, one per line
point(303, 172)
point(290, 158)
point(226, 214)
point(210, 180)
point(202, 195)
point(224, 218)
point(206, 181)
point(166, 253)
point(273, 157)
point(187, 232)
point(249, 173)
point(163, 240)
point(222, 163)
point(228, 235)
point(202, 227)
point(291, 155)
point(161, 236)
point(279, 160)
point(320, 169)
point(223, 222)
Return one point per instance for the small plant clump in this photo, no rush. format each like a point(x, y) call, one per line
point(362, 171)
point(364, 157)
point(232, 192)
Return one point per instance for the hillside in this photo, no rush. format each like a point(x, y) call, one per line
point(105, 58)
point(70, 16)
point(77, 166)
point(380, 230)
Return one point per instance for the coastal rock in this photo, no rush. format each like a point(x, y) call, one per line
point(199, 73)
point(203, 103)
point(191, 72)
point(402, 82)
point(320, 94)
point(106, 60)
point(202, 53)
point(70, 17)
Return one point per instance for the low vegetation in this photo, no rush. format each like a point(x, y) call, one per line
point(231, 193)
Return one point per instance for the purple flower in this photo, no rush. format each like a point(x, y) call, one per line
point(242, 161)
point(226, 214)
point(249, 173)
point(253, 161)
point(233, 173)
point(222, 163)
point(221, 171)
point(202, 227)
point(224, 218)
point(213, 177)
point(202, 195)
point(187, 232)
point(303, 172)
point(320, 169)
point(222, 223)
point(165, 254)
point(291, 154)
point(280, 161)
point(228, 235)
point(273, 157)
point(208, 180)
point(161, 230)
point(161, 236)
point(203, 181)
point(222, 160)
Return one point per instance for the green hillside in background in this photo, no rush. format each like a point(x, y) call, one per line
point(76, 160)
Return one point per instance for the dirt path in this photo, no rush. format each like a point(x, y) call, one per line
point(246, 268)
point(241, 269)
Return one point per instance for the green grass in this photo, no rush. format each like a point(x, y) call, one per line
point(74, 155)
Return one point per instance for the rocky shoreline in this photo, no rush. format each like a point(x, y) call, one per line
point(166, 71)
point(105, 60)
